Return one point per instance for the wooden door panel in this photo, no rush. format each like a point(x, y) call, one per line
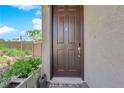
point(66, 40)
point(60, 60)
point(71, 29)
point(60, 29)
point(58, 41)
point(71, 60)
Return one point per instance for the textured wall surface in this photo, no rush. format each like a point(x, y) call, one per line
point(104, 46)
point(46, 40)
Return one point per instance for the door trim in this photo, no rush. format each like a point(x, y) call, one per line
point(82, 42)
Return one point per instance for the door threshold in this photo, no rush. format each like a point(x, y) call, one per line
point(69, 80)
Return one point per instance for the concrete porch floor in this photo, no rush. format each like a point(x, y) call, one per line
point(62, 82)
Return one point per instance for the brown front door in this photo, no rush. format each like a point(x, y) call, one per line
point(66, 41)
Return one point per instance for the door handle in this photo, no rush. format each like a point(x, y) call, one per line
point(79, 49)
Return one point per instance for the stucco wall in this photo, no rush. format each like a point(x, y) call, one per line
point(104, 46)
point(46, 36)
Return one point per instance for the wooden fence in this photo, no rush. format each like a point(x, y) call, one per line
point(34, 47)
point(15, 44)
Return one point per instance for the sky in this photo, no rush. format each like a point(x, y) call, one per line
point(16, 19)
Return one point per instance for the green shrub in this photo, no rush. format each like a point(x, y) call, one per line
point(3, 59)
point(18, 47)
point(13, 52)
point(22, 68)
point(2, 46)
point(5, 78)
point(28, 52)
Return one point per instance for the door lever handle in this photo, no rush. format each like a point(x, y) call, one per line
point(79, 50)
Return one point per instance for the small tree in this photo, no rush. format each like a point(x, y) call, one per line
point(35, 35)
point(2, 40)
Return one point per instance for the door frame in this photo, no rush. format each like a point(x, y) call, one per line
point(82, 41)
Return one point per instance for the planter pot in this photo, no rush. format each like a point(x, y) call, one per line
point(32, 79)
point(29, 82)
point(18, 83)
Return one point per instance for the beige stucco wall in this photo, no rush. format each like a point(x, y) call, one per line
point(104, 46)
point(46, 26)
